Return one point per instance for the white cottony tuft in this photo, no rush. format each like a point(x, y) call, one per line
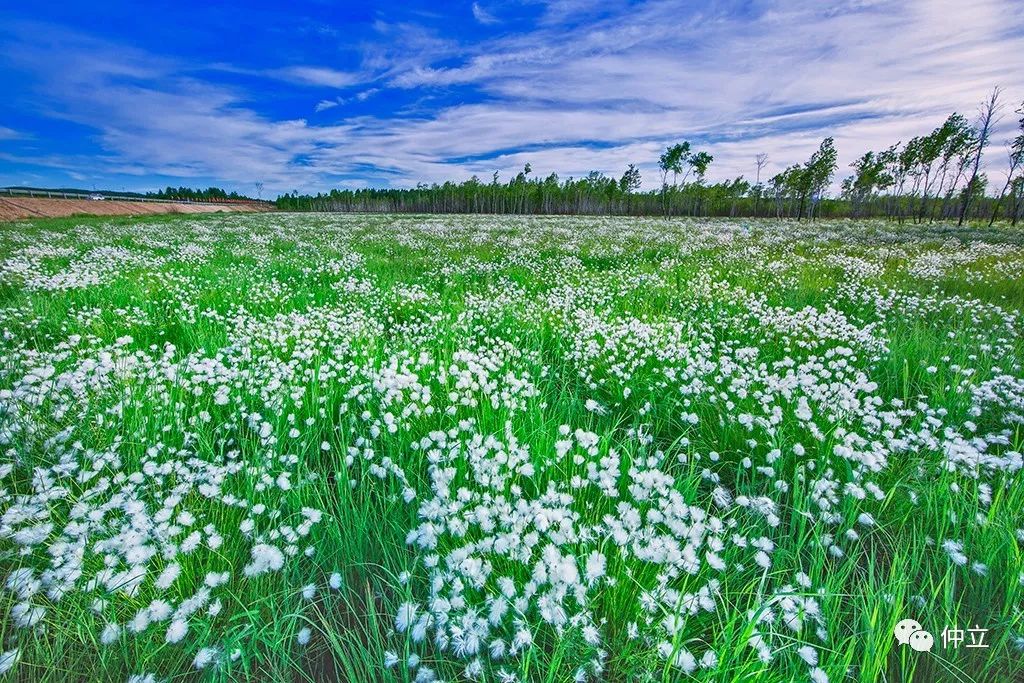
point(8, 659)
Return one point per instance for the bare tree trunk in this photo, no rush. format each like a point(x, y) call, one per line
point(987, 119)
point(998, 202)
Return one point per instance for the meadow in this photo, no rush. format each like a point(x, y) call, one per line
point(441, 448)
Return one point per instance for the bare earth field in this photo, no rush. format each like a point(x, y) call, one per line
point(37, 207)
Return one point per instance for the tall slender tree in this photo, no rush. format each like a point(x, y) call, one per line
point(760, 161)
point(956, 145)
point(987, 118)
point(630, 183)
point(815, 176)
point(671, 161)
point(870, 175)
point(1015, 154)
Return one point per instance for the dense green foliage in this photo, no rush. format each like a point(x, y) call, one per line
point(209, 194)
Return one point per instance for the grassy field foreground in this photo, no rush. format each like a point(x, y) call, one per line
point(377, 448)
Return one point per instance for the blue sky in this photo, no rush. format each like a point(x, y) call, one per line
point(310, 95)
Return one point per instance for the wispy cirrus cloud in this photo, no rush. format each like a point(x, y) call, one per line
point(317, 75)
point(482, 15)
point(324, 105)
point(361, 96)
point(578, 87)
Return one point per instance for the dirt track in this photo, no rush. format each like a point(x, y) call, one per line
point(12, 208)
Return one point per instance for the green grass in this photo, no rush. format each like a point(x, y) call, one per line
point(653, 320)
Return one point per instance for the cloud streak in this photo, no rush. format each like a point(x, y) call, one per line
point(575, 90)
point(482, 15)
point(316, 76)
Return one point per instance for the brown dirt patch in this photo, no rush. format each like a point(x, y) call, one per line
point(13, 208)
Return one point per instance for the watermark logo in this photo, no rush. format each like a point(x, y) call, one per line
point(910, 632)
point(921, 641)
point(954, 637)
point(907, 628)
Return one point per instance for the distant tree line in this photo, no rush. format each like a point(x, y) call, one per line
point(198, 194)
point(931, 177)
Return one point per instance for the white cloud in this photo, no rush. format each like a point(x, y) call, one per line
point(318, 76)
point(324, 105)
point(738, 85)
point(573, 95)
point(482, 15)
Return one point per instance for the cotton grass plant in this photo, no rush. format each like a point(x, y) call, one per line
point(424, 449)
